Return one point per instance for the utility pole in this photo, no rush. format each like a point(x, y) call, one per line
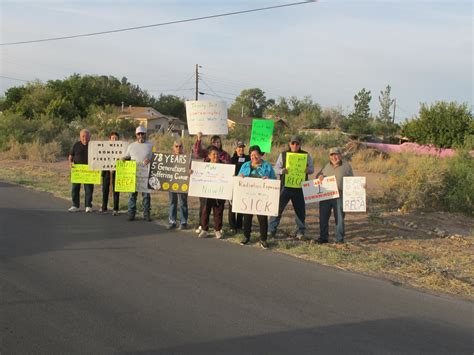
point(197, 82)
point(394, 107)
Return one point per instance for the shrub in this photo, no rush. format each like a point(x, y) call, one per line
point(49, 152)
point(459, 184)
point(15, 150)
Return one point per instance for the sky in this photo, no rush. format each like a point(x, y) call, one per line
point(328, 50)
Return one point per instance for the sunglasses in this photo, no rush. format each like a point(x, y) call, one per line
point(178, 146)
point(140, 134)
point(295, 143)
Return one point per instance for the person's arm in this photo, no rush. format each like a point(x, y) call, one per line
point(198, 151)
point(279, 166)
point(70, 157)
point(244, 170)
point(272, 174)
point(127, 155)
point(310, 165)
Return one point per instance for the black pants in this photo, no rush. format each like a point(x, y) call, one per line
point(217, 208)
point(76, 192)
point(297, 199)
point(262, 221)
point(108, 178)
point(235, 219)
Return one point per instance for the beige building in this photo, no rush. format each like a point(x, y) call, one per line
point(153, 120)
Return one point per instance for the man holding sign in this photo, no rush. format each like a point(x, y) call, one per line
point(141, 151)
point(78, 155)
point(293, 165)
point(338, 168)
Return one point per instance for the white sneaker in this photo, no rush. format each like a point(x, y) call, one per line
point(88, 209)
point(115, 213)
point(203, 234)
point(198, 230)
point(218, 234)
point(73, 209)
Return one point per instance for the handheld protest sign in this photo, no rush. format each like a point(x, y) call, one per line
point(354, 194)
point(315, 190)
point(142, 178)
point(296, 164)
point(207, 117)
point(256, 196)
point(126, 176)
point(102, 155)
point(81, 174)
point(169, 172)
point(262, 134)
point(211, 180)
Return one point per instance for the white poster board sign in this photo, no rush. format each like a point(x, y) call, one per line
point(211, 180)
point(315, 190)
point(102, 155)
point(256, 196)
point(208, 117)
point(353, 195)
point(142, 177)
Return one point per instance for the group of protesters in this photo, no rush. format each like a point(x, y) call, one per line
point(246, 165)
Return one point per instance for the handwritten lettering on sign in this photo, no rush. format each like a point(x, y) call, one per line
point(208, 117)
point(354, 194)
point(126, 176)
point(315, 190)
point(211, 180)
point(256, 196)
point(262, 134)
point(142, 177)
point(102, 155)
point(169, 172)
point(81, 174)
point(296, 165)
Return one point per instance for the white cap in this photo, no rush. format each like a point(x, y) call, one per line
point(140, 129)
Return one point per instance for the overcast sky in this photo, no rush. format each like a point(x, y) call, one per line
point(328, 50)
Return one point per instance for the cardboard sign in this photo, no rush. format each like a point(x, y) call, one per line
point(81, 174)
point(143, 171)
point(208, 117)
point(169, 172)
point(315, 190)
point(126, 176)
point(262, 134)
point(256, 196)
point(103, 154)
point(296, 164)
point(211, 180)
point(353, 195)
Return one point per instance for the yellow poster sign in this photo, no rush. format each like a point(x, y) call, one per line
point(80, 174)
point(126, 176)
point(296, 164)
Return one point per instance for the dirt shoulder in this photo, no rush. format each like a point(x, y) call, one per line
point(431, 251)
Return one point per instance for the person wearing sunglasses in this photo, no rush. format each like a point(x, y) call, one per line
point(175, 197)
point(293, 194)
point(141, 151)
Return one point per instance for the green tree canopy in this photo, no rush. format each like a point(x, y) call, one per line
point(252, 102)
point(359, 121)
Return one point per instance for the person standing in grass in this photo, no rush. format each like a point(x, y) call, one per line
point(293, 194)
point(238, 159)
point(108, 179)
point(78, 155)
point(216, 205)
point(256, 168)
point(141, 151)
point(339, 168)
point(175, 197)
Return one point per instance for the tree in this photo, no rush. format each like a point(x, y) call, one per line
point(359, 120)
point(443, 124)
point(171, 105)
point(385, 104)
point(250, 102)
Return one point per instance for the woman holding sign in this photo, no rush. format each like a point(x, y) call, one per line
point(238, 159)
point(293, 165)
point(108, 179)
point(256, 168)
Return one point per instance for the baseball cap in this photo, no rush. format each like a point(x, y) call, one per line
point(295, 139)
point(140, 129)
point(335, 151)
point(240, 144)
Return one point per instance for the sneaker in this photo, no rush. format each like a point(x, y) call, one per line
point(245, 241)
point(131, 217)
point(264, 244)
point(203, 234)
point(219, 234)
point(273, 235)
point(171, 226)
point(198, 230)
point(73, 209)
point(183, 226)
point(115, 213)
point(88, 209)
point(300, 236)
point(102, 210)
point(147, 218)
point(321, 241)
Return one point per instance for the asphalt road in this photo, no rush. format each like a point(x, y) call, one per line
point(76, 283)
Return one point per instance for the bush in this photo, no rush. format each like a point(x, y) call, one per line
point(459, 184)
point(15, 150)
point(48, 153)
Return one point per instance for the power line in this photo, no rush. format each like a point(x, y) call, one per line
point(156, 24)
point(9, 77)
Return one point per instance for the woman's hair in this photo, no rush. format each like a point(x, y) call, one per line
point(113, 133)
point(255, 148)
point(214, 138)
point(211, 148)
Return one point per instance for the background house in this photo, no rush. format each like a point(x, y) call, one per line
point(153, 120)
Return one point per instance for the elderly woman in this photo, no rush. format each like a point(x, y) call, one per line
point(256, 168)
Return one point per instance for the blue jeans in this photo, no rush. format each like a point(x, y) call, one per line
point(75, 194)
point(297, 200)
point(132, 203)
point(174, 198)
point(325, 208)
